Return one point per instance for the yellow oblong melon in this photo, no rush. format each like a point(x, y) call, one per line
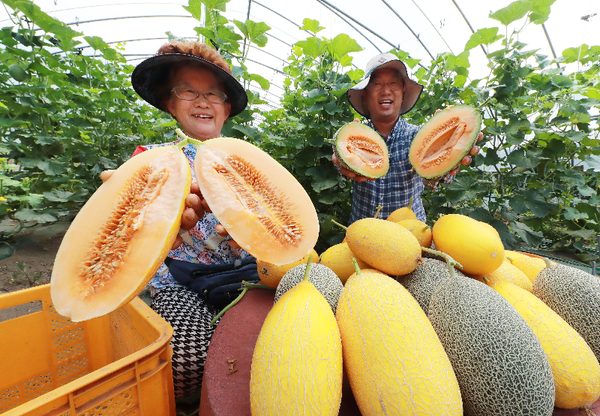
point(476, 245)
point(259, 202)
point(122, 235)
point(271, 274)
point(297, 361)
point(507, 273)
point(384, 245)
point(395, 363)
point(575, 369)
point(339, 259)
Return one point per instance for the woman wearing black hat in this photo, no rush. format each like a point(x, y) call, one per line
point(193, 83)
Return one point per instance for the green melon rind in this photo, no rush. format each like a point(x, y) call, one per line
point(452, 163)
point(574, 295)
point(321, 276)
point(368, 131)
point(500, 364)
point(422, 282)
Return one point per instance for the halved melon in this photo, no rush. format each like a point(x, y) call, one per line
point(262, 206)
point(361, 149)
point(122, 235)
point(444, 140)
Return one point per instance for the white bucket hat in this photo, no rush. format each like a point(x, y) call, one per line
point(412, 90)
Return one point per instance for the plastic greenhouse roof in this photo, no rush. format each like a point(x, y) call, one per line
point(423, 28)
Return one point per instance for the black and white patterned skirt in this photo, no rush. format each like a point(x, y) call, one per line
point(190, 317)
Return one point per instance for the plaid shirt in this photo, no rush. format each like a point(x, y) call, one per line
point(395, 189)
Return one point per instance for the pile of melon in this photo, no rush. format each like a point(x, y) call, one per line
point(465, 328)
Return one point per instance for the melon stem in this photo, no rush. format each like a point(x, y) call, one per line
point(379, 208)
point(548, 262)
point(244, 289)
point(449, 260)
point(307, 271)
point(339, 225)
point(356, 266)
point(185, 139)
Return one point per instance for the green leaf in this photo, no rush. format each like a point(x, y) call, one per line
point(514, 11)
point(485, 36)
point(96, 42)
point(529, 237)
point(342, 45)
point(322, 178)
point(312, 47)
point(195, 9)
point(561, 81)
point(58, 195)
point(262, 81)
point(311, 26)
point(52, 168)
point(28, 215)
point(219, 5)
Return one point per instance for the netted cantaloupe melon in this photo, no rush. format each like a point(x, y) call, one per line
point(500, 365)
point(321, 276)
point(422, 282)
point(122, 235)
point(394, 360)
point(270, 274)
point(444, 140)
point(361, 149)
point(575, 295)
point(476, 245)
point(297, 361)
point(259, 202)
point(575, 369)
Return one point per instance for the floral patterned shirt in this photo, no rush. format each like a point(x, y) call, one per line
point(201, 244)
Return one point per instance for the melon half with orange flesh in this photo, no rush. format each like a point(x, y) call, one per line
point(444, 140)
point(259, 202)
point(122, 235)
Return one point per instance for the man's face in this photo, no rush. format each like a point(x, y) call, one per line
point(383, 96)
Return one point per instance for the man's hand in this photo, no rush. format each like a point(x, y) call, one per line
point(106, 174)
point(348, 173)
point(468, 158)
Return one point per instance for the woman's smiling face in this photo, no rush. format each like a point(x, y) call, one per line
point(199, 118)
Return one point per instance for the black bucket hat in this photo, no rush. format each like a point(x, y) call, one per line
point(152, 72)
point(412, 90)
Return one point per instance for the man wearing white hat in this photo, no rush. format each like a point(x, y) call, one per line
point(383, 96)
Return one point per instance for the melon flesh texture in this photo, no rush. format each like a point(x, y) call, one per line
point(262, 206)
point(121, 236)
point(362, 150)
point(444, 140)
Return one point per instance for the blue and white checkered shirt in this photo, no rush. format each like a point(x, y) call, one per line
point(395, 189)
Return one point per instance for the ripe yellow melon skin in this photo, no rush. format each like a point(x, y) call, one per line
point(384, 245)
point(404, 213)
point(339, 259)
point(575, 368)
point(394, 360)
point(259, 202)
point(474, 244)
point(531, 265)
point(297, 361)
point(73, 295)
point(508, 273)
point(420, 230)
point(271, 274)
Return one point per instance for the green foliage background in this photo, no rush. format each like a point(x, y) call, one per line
point(66, 116)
